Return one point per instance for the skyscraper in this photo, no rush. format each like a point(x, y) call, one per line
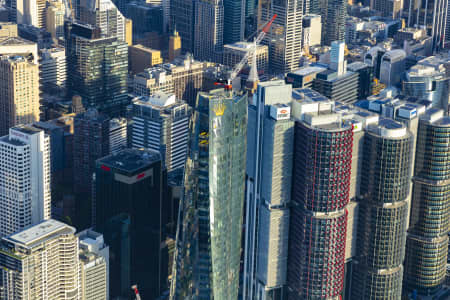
point(53, 69)
point(24, 179)
point(41, 262)
point(55, 15)
point(427, 239)
point(182, 14)
point(333, 14)
point(234, 21)
point(388, 8)
point(102, 14)
point(19, 92)
point(384, 189)
point(183, 77)
point(97, 68)
point(91, 141)
point(211, 212)
point(131, 214)
point(94, 266)
point(433, 16)
point(320, 194)
point(270, 140)
point(27, 12)
point(209, 30)
point(285, 36)
point(428, 80)
point(161, 123)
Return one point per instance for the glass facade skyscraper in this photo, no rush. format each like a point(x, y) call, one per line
point(207, 259)
point(97, 68)
point(427, 241)
point(320, 194)
point(385, 185)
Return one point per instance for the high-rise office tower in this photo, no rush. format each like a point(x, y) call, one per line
point(19, 92)
point(234, 21)
point(41, 262)
point(433, 16)
point(392, 67)
point(53, 69)
point(27, 12)
point(333, 14)
point(428, 80)
point(102, 14)
point(270, 140)
point(55, 14)
point(388, 8)
point(212, 209)
point(91, 141)
point(427, 240)
point(384, 189)
point(312, 30)
point(161, 123)
point(320, 194)
point(234, 53)
point(337, 60)
point(24, 178)
point(183, 77)
point(209, 30)
point(94, 266)
point(182, 14)
point(118, 139)
point(285, 36)
point(131, 215)
point(97, 68)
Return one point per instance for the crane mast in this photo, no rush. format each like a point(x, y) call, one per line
point(241, 64)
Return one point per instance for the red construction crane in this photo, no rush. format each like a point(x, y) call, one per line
point(241, 64)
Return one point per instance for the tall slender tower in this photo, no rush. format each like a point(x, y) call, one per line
point(285, 35)
point(24, 179)
point(385, 184)
point(320, 194)
point(427, 241)
point(333, 14)
point(19, 92)
point(209, 30)
point(207, 259)
point(234, 23)
point(270, 140)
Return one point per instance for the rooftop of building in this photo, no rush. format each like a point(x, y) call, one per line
point(15, 41)
point(307, 94)
point(389, 129)
point(26, 129)
point(309, 70)
point(157, 99)
point(39, 233)
point(130, 160)
point(244, 46)
point(357, 65)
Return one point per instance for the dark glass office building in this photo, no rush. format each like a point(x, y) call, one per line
point(427, 241)
point(129, 210)
point(318, 222)
point(385, 185)
point(97, 68)
point(211, 214)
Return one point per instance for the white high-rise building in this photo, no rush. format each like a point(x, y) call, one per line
point(337, 61)
point(117, 135)
point(24, 179)
point(94, 259)
point(41, 262)
point(53, 68)
point(28, 12)
point(161, 123)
